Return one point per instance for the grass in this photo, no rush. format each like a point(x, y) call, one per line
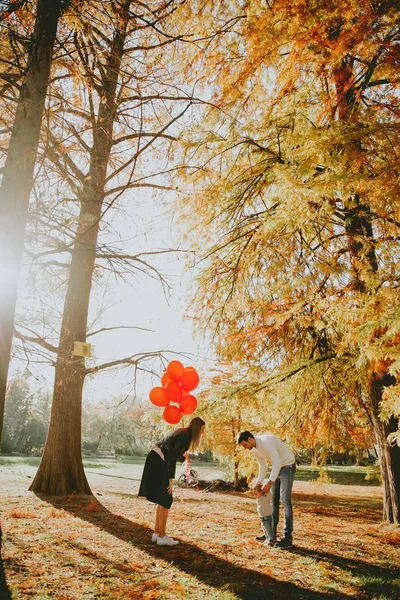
point(346, 475)
point(98, 547)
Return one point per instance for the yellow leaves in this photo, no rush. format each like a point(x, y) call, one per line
point(390, 404)
point(23, 514)
point(53, 513)
point(273, 190)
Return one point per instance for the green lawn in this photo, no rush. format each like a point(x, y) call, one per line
point(130, 467)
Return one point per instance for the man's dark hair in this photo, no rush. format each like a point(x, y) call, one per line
point(244, 436)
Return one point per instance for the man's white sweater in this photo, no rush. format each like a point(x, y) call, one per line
point(270, 449)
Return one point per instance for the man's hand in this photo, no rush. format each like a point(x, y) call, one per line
point(267, 487)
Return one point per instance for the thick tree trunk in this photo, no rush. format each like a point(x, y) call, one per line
point(18, 175)
point(389, 454)
point(61, 469)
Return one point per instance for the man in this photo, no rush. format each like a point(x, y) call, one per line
point(270, 449)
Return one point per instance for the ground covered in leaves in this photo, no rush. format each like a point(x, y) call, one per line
point(86, 548)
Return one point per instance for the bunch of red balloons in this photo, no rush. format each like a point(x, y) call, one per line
point(176, 384)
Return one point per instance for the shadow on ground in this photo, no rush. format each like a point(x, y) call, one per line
point(5, 593)
point(210, 569)
point(376, 581)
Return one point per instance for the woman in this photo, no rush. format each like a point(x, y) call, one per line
point(159, 471)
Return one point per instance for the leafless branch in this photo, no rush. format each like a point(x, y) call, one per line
point(35, 339)
point(119, 327)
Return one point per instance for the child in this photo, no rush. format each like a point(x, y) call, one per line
point(187, 470)
point(264, 509)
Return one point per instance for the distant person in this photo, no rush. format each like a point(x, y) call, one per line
point(159, 471)
point(190, 475)
point(264, 509)
point(270, 449)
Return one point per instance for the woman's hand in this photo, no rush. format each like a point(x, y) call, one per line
point(169, 488)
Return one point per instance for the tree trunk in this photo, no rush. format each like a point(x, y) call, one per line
point(17, 180)
point(61, 469)
point(97, 445)
point(389, 455)
point(131, 442)
point(235, 457)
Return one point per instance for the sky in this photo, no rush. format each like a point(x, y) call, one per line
point(151, 320)
point(141, 302)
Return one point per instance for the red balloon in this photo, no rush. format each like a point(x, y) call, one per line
point(188, 404)
point(190, 379)
point(158, 397)
point(172, 415)
point(173, 391)
point(165, 379)
point(175, 370)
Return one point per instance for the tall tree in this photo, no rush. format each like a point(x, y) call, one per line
point(298, 184)
point(113, 85)
point(18, 171)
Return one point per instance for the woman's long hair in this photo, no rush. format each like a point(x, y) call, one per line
point(195, 427)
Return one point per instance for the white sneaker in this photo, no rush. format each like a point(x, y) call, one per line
point(166, 541)
point(154, 537)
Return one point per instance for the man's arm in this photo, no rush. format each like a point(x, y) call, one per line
point(276, 462)
point(262, 468)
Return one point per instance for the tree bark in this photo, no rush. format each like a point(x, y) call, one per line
point(17, 180)
point(235, 457)
point(61, 468)
point(389, 455)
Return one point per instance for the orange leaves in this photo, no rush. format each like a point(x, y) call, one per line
point(23, 514)
point(380, 367)
point(149, 595)
point(53, 513)
point(392, 538)
point(239, 530)
point(92, 507)
point(28, 587)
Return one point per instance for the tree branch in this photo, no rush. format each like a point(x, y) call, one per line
point(119, 327)
point(134, 360)
point(12, 7)
point(36, 339)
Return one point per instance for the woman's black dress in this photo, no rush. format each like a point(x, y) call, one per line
point(157, 472)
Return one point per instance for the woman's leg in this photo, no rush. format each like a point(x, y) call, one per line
point(161, 520)
point(157, 523)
